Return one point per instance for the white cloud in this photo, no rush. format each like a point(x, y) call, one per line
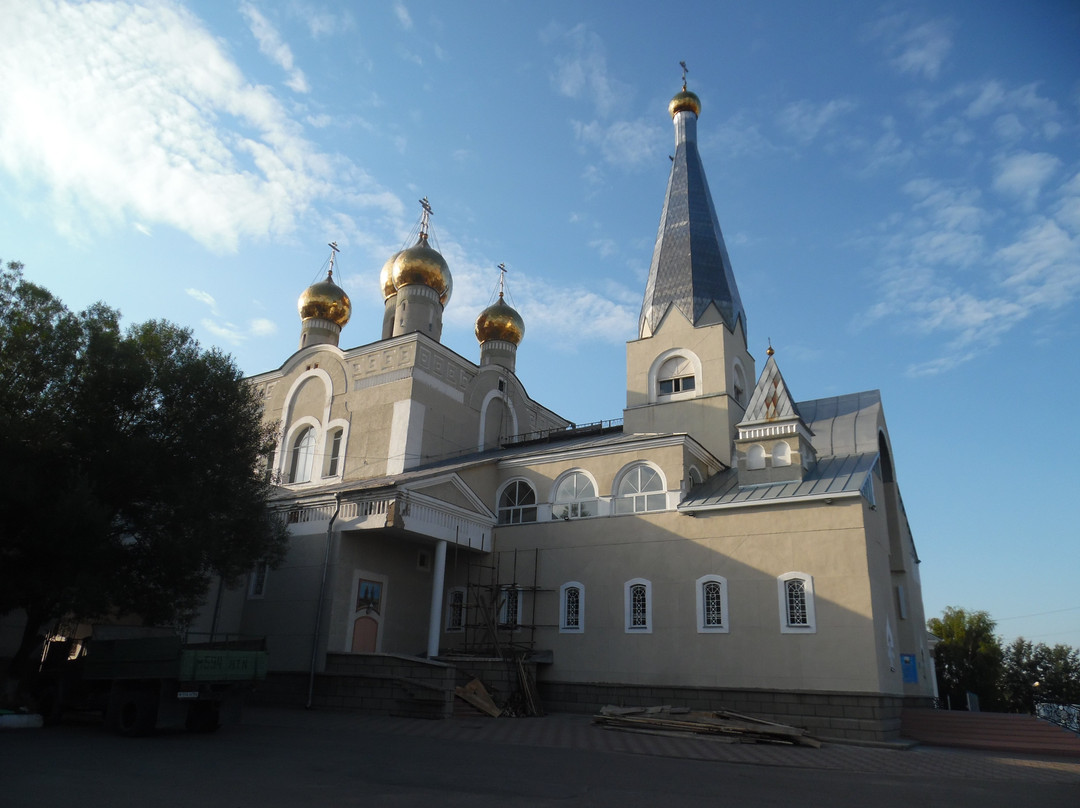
point(919, 49)
point(272, 46)
point(262, 327)
point(622, 142)
point(149, 120)
point(582, 72)
point(805, 120)
point(403, 16)
point(203, 297)
point(1023, 175)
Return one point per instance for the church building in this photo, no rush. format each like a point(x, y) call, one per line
point(724, 546)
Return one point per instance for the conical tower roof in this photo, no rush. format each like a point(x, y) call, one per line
point(690, 266)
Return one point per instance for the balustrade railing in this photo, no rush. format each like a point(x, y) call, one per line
point(1064, 715)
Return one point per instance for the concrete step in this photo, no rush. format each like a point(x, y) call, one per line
point(991, 731)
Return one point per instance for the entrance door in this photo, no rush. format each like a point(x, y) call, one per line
point(369, 597)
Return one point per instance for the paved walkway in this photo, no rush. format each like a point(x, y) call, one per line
point(578, 732)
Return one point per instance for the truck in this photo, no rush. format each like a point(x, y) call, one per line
point(143, 683)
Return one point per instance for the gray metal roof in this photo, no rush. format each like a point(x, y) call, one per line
point(844, 424)
point(690, 265)
point(771, 400)
point(831, 477)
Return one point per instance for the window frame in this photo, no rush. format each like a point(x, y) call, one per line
point(645, 495)
point(456, 626)
point(517, 507)
point(572, 508)
point(629, 589)
point(301, 436)
point(564, 608)
point(809, 626)
point(504, 611)
point(724, 626)
point(257, 578)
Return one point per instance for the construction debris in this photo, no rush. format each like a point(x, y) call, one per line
point(476, 694)
point(721, 725)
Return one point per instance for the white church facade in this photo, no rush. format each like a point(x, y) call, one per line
point(724, 546)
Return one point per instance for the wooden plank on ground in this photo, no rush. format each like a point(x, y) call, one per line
point(476, 694)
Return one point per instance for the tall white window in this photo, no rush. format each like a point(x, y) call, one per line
point(572, 608)
point(795, 591)
point(517, 504)
point(510, 608)
point(455, 610)
point(712, 604)
point(637, 605)
point(640, 490)
point(257, 580)
point(303, 455)
point(575, 497)
point(333, 460)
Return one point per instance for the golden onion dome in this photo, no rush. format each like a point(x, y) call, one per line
point(386, 277)
point(325, 300)
point(500, 321)
point(424, 265)
point(684, 100)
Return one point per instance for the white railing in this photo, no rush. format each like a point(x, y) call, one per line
point(768, 431)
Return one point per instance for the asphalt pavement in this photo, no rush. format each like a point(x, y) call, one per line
point(280, 758)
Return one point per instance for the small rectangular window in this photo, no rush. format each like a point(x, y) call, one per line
point(257, 580)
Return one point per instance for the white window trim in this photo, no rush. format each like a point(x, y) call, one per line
point(628, 607)
point(781, 589)
point(580, 627)
point(450, 628)
point(671, 498)
point(502, 490)
point(654, 376)
point(595, 500)
point(699, 588)
point(503, 625)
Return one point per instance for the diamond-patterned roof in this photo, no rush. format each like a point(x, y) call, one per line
point(690, 265)
point(771, 400)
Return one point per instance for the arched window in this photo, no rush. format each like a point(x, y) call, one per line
point(575, 497)
point(455, 610)
point(796, 593)
point(510, 608)
point(755, 457)
point(640, 490)
point(676, 375)
point(637, 605)
point(781, 454)
point(303, 455)
point(517, 504)
point(739, 383)
point(572, 608)
point(712, 604)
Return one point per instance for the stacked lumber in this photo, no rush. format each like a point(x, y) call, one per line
point(721, 725)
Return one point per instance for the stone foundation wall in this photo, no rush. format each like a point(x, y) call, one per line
point(376, 684)
point(847, 716)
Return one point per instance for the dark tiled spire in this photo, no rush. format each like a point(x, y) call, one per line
point(690, 265)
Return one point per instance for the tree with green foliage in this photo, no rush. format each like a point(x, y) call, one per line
point(1037, 672)
point(130, 466)
point(968, 657)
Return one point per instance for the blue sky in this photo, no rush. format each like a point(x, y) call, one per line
point(898, 184)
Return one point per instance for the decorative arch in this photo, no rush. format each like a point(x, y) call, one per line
point(484, 408)
point(781, 454)
point(516, 502)
point(574, 495)
point(755, 456)
point(739, 389)
point(690, 368)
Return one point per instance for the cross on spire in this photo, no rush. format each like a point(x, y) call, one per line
point(685, 70)
point(502, 279)
point(333, 252)
point(425, 217)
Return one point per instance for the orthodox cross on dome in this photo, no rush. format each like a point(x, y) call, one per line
point(502, 279)
point(685, 70)
point(425, 217)
point(333, 252)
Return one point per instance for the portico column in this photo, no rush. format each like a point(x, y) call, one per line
point(438, 579)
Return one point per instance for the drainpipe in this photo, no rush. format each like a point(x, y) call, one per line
point(438, 577)
point(319, 603)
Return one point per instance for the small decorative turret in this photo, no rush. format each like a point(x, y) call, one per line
point(324, 309)
point(499, 330)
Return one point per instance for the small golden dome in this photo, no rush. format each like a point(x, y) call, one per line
point(500, 321)
point(685, 100)
point(325, 300)
point(386, 277)
point(422, 264)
